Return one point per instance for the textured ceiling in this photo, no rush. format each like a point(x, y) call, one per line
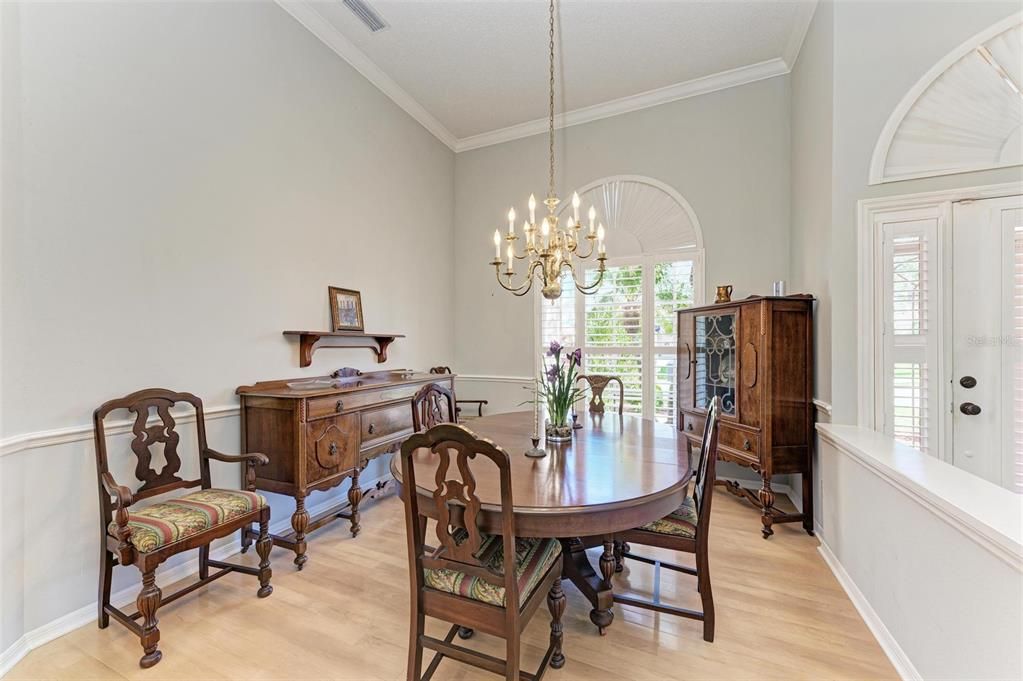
point(481, 65)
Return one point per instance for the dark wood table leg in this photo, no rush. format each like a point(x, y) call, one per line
point(596, 588)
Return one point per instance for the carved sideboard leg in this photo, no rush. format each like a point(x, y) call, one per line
point(767, 502)
point(147, 602)
point(263, 546)
point(603, 618)
point(354, 498)
point(299, 523)
point(556, 604)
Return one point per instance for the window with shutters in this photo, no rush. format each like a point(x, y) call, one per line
point(627, 328)
point(908, 408)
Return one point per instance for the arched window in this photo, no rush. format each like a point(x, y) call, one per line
point(654, 268)
point(963, 115)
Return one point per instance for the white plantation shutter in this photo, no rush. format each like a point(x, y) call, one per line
point(627, 329)
point(909, 408)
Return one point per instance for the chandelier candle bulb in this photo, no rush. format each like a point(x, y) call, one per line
point(511, 260)
point(575, 206)
point(511, 221)
point(497, 245)
point(593, 216)
point(532, 209)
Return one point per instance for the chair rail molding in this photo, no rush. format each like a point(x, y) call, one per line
point(58, 436)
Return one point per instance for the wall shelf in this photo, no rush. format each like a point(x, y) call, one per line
point(311, 341)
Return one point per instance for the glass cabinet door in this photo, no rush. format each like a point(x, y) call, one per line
point(715, 360)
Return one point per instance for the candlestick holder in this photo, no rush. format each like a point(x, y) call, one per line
point(537, 452)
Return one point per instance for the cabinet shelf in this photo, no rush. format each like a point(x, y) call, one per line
point(310, 341)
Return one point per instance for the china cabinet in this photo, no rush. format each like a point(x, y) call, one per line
point(757, 356)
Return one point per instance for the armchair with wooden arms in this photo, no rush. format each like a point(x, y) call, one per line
point(479, 403)
point(147, 536)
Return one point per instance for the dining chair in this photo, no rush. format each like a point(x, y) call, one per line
point(491, 582)
point(686, 529)
point(431, 405)
point(479, 403)
point(146, 537)
point(597, 383)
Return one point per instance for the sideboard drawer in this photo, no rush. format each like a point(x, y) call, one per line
point(320, 407)
point(332, 447)
point(386, 423)
point(741, 442)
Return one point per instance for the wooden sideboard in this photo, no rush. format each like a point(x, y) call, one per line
point(757, 356)
point(317, 438)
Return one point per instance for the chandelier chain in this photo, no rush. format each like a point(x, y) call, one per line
point(550, 185)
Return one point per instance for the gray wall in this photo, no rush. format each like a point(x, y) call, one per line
point(727, 153)
point(812, 81)
point(182, 181)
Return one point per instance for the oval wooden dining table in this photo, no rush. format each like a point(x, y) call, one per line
point(617, 473)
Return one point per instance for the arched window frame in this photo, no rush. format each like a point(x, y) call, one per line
point(879, 161)
point(649, 351)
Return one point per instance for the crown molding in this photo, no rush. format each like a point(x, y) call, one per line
point(804, 15)
point(305, 14)
point(643, 100)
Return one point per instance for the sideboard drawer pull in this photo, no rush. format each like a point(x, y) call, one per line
point(339, 406)
point(747, 445)
point(332, 449)
point(371, 429)
point(689, 426)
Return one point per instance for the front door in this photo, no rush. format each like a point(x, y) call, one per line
point(987, 339)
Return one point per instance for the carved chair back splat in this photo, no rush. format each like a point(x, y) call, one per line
point(433, 404)
point(458, 409)
point(463, 548)
point(598, 383)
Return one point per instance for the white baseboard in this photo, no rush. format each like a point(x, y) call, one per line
point(65, 624)
point(903, 665)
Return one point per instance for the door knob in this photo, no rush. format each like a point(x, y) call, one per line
point(969, 408)
point(968, 382)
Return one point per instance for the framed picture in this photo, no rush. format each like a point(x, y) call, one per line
point(345, 309)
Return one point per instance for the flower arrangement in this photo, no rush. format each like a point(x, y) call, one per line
point(557, 388)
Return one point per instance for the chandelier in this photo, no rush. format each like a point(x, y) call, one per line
point(550, 248)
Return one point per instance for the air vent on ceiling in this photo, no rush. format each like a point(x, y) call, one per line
point(366, 15)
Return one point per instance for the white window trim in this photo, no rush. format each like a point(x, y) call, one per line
point(869, 211)
point(647, 350)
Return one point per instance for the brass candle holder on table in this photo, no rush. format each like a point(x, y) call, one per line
point(537, 452)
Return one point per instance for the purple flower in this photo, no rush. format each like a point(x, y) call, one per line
point(576, 358)
point(552, 373)
point(554, 348)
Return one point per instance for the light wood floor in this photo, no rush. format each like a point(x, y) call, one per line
point(780, 615)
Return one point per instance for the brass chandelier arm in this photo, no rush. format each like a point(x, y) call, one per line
point(586, 290)
point(525, 286)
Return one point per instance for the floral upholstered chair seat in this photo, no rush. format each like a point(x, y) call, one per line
point(170, 521)
point(681, 522)
point(533, 557)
